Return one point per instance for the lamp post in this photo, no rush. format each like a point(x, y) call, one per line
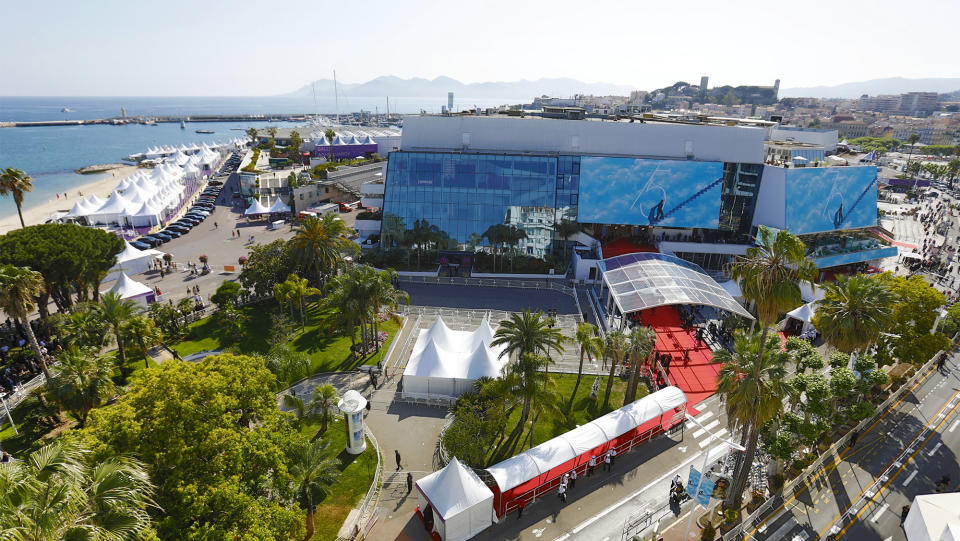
point(706, 460)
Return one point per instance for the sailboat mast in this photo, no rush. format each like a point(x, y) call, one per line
point(336, 97)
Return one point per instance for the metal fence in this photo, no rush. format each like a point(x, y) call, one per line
point(362, 522)
point(556, 284)
point(759, 516)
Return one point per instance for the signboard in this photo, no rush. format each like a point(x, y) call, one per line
point(830, 198)
point(701, 496)
point(638, 191)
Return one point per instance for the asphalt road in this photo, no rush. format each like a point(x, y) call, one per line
point(904, 453)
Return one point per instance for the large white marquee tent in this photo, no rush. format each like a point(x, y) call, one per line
point(445, 362)
point(132, 261)
point(128, 288)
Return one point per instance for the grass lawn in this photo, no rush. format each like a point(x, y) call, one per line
point(583, 411)
point(327, 348)
point(357, 472)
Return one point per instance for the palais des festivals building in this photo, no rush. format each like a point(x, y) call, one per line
point(693, 188)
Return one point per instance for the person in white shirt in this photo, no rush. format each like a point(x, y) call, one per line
point(591, 465)
point(562, 492)
point(573, 478)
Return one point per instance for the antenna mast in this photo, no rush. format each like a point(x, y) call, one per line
point(336, 97)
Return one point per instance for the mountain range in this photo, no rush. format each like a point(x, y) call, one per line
point(389, 85)
point(890, 85)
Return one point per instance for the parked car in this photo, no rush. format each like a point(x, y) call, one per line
point(188, 221)
point(174, 234)
point(140, 244)
point(182, 229)
point(160, 236)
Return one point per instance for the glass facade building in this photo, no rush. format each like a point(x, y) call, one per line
point(463, 195)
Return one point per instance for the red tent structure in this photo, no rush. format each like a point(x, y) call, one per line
point(537, 471)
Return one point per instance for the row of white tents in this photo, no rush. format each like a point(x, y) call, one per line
point(321, 140)
point(144, 198)
point(445, 362)
point(258, 209)
point(168, 150)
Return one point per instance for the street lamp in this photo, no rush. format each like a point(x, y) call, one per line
point(703, 472)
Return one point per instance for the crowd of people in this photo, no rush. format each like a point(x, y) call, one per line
point(18, 362)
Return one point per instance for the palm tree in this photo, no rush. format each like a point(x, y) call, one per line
point(344, 295)
point(82, 381)
point(320, 243)
point(641, 344)
point(15, 182)
point(565, 229)
point(590, 344)
point(324, 400)
point(616, 346)
point(753, 384)
point(769, 276)
point(384, 295)
point(55, 494)
point(252, 132)
point(912, 139)
point(528, 333)
point(298, 289)
point(84, 328)
point(853, 312)
point(281, 292)
point(117, 313)
point(313, 473)
point(529, 382)
point(19, 287)
point(145, 332)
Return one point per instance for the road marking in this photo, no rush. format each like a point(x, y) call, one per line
point(834, 462)
point(712, 454)
point(885, 485)
point(699, 432)
point(704, 417)
point(879, 513)
point(935, 448)
point(716, 435)
point(954, 425)
point(910, 477)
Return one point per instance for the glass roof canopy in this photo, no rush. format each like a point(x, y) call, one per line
point(647, 280)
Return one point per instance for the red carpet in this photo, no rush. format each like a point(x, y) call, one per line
point(624, 246)
point(697, 377)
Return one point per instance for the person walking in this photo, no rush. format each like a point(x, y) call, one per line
point(396, 454)
point(573, 478)
point(520, 509)
point(613, 457)
point(606, 461)
point(562, 492)
point(941, 361)
point(216, 225)
point(591, 465)
point(409, 482)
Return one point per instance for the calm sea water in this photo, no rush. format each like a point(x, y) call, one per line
point(51, 154)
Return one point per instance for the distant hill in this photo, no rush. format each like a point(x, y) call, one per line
point(389, 85)
point(891, 85)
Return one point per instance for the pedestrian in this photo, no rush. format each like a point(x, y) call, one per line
point(853, 438)
point(941, 361)
point(216, 225)
point(565, 480)
point(188, 291)
point(520, 509)
point(573, 478)
point(396, 454)
point(562, 492)
point(409, 482)
point(613, 457)
point(904, 511)
point(591, 465)
point(606, 461)
point(161, 273)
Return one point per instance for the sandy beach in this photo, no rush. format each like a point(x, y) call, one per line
point(33, 215)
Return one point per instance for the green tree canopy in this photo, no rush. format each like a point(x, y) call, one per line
point(216, 445)
point(267, 265)
point(67, 255)
point(913, 316)
point(227, 293)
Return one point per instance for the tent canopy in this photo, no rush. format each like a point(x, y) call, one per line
point(804, 313)
point(130, 253)
point(645, 280)
point(462, 501)
point(127, 287)
point(933, 517)
point(256, 208)
point(279, 206)
point(541, 459)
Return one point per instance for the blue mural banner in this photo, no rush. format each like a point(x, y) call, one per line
point(703, 495)
point(638, 191)
point(830, 198)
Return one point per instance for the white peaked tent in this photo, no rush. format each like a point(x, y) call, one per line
point(95, 202)
point(279, 206)
point(80, 208)
point(145, 215)
point(446, 363)
point(934, 517)
point(459, 503)
point(804, 314)
point(256, 208)
point(112, 210)
point(132, 261)
point(128, 288)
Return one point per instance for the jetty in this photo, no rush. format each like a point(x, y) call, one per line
point(119, 121)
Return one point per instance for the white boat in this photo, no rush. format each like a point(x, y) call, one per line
point(183, 125)
point(66, 110)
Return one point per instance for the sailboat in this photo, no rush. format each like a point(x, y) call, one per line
point(183, 125)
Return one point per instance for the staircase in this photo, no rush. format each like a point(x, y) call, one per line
point(705, 189)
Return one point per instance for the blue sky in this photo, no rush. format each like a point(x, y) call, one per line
point(814, 196)
point(247, 48)
point(626, 190)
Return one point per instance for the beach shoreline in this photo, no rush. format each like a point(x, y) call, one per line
point(36, 214)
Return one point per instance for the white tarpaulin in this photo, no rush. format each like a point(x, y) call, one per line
point(132, 261)
point(446, 362)
point(128, 288)
point(279, 206)
point(804, 314)
point(256, 208)
point(933, 517)
point(461, 503)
